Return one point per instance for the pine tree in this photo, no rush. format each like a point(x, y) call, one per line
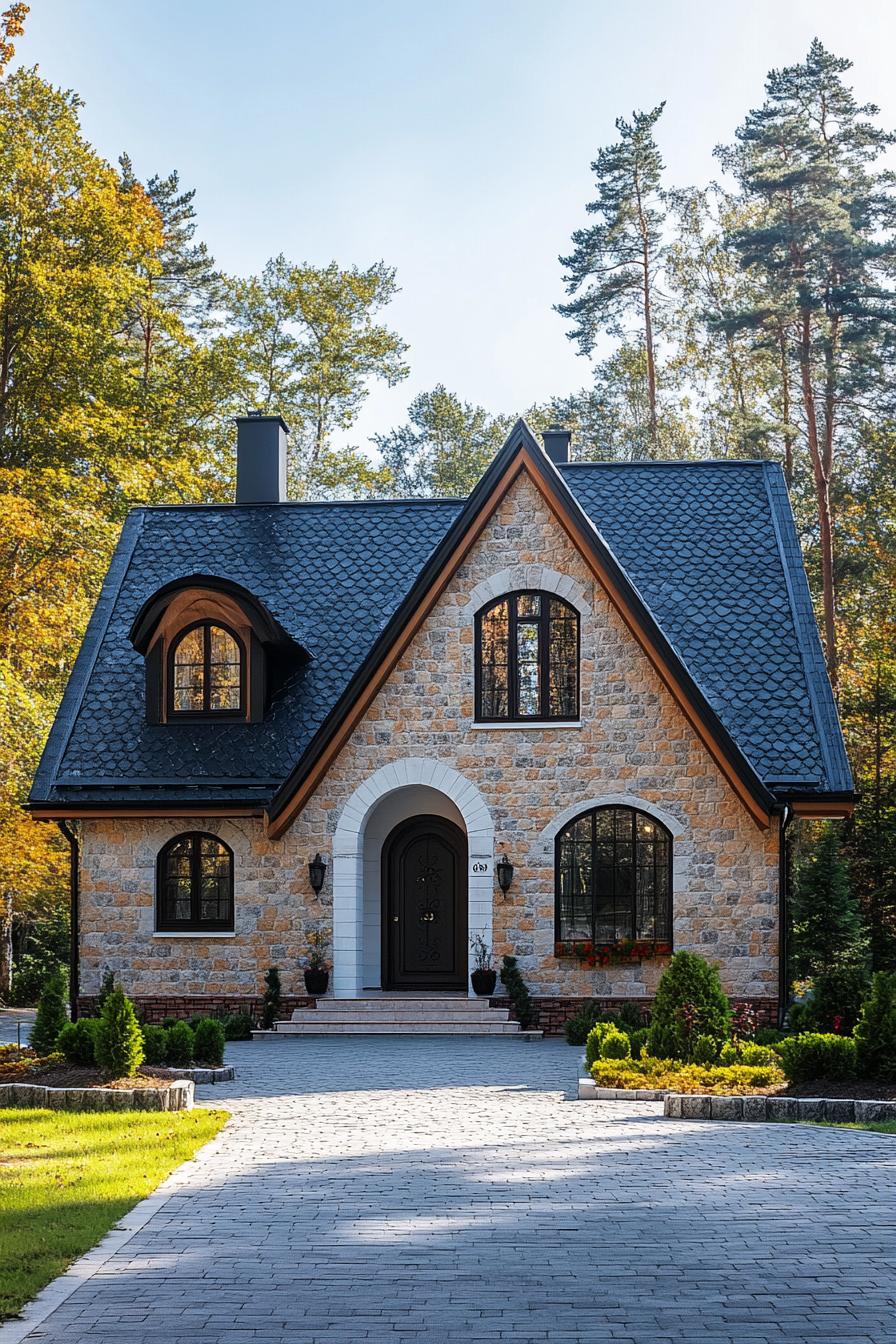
point(119, 1040)
point(51, 1016)
point(445, 446)
point(612, 270)
point(820, 242)
point(826, 924)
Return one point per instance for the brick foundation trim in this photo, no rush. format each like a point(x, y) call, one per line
point(155, 1010)
point(552, 1013)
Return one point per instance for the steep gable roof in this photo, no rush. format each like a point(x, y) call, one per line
point(703, 558)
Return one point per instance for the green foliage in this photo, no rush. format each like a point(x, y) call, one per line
point(77, 1041)
point(445, 446)
point(119, 1042)
point(689, 1003)
point(769, 1036)
point(155, 1045)
point(875, 1033)
point(826, 926)
point(107, 987)
point(837, 998)
point(747, 1052)
point(208, 1043)
point(705, 1050)
point(31, 973)
point(238, 1027)
point(181, 1048)
point(674, 1076)
point(638, 1040)
point(818, 1055)
point(51, 1016)
point(595, 1040)
point(577, 1027)
point(272, 998)
point(513, 982)
point(615, 1045)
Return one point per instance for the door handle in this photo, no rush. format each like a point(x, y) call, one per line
point(394, 919)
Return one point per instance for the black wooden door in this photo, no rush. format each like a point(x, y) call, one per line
point(425, 906)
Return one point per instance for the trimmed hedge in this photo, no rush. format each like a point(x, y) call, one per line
point(180, 1045)
point(818, 1055)
point(155, 1044)
point(77, 1041)
point(208, 1042)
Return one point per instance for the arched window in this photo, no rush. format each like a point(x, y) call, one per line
point(206, 671)
point(527, 659)
point(614, 878)
point(194, 888)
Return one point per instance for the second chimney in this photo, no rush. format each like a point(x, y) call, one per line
point(260, 458)
point(556, 442)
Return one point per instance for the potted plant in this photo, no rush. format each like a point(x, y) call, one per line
point(484, 977)
point(317, 970)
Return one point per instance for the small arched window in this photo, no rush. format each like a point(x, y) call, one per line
point(527, 659)
point(194, 889)
point(206, 672)
point(614, 878)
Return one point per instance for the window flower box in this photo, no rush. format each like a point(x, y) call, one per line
point(624, 953)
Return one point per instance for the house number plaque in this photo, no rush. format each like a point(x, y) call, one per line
point(480, 865)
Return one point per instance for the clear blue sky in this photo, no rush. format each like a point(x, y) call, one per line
point(451, 139)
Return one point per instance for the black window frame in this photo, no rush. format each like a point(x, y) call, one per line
point(544, 655)
point(631, 937)
point(207, 624)
point(194, 924)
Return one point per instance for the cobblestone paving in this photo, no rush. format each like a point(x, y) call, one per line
point(429, 1190)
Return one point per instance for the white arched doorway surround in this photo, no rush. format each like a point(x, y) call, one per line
point(349, 858)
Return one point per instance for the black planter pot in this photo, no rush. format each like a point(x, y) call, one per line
point(316, 982)
point(483, 982)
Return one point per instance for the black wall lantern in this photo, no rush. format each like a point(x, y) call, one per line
point(504, 871)
point(317, 871)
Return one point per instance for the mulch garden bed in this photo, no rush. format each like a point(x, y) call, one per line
point(848, 1091)
point(70, 1076)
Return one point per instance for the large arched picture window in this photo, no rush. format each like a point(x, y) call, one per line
point(194, 889)
point(614, 878)
point(527, 659)
point(206, 671)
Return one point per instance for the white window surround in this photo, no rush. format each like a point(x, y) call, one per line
point(524, 725)
point(195, 933)
point(518, 577)
point(348, 858)
point(681, 855)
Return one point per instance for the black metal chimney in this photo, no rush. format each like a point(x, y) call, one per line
point(260, 458)
point(556, 442)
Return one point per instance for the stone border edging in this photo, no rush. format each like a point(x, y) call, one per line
point(222, 1074)
point(694, 1106)
point(177, 1097)
point(589, 1091)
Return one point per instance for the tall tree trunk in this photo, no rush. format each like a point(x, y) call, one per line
point(821, 455)
point(785, 404)
point(648, 319)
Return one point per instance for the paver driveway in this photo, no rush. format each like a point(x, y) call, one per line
point(451, 1190)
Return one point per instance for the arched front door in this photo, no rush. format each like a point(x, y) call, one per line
point(425, 905)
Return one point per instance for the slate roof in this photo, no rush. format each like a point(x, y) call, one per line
point(710, 547)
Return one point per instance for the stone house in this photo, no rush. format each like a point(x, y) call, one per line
point(572, 714)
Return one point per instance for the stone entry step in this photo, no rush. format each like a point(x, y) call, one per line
point(402, 1014)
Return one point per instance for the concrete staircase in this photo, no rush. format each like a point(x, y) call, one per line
point(402, 1015)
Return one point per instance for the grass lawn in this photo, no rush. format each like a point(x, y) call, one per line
point(66, 1178)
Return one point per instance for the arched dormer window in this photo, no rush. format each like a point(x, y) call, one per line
point(194, 885)
point(613, 872)
point(527, 659)
point(206, 671)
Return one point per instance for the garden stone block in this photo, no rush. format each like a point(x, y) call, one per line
point(755, 1108)
point(783, 1108)
point(727, 1108)
point(696, 1108)
point(672, 1105)
point(875, 1111)
point(811, 1108)
point(839, 1110)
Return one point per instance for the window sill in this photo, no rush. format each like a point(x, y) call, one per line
point(524, 724)
point(196, 933)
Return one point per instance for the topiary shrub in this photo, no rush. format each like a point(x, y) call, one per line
point(836, 1001)
point(208, 1042)
point(577, 1027)
point(180, 1045)
point(119, 1041)
point(615, 1045)
point(875, 1033)
point(705, 1050)
point(818, 1055)
point(689, 1003)
point(272, 996)
point(238, 1027)
point(51, 1016)
point(747, 1052)
point(595, 1040)
point(513, 982)
point(77, 1041)
point(155, 1045)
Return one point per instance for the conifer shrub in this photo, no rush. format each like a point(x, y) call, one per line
point(875, 1033)
point(273, 995)
point(818, 1055)
point(638, 1041)
point(51, 1016)
point(577, 1027)
point(119, 1041)
point(615, 1045)
point(513, 982)
point(595, 1041)
point(77, 1041)
point(705, 1050)
point(689, 1003)
point(180, 1045)
point(238, 1027)
point(155, 1045)
point(837, 998)
point(208, 1042)
point(107, 985)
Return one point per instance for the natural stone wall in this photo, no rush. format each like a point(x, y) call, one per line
point(634, 740)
